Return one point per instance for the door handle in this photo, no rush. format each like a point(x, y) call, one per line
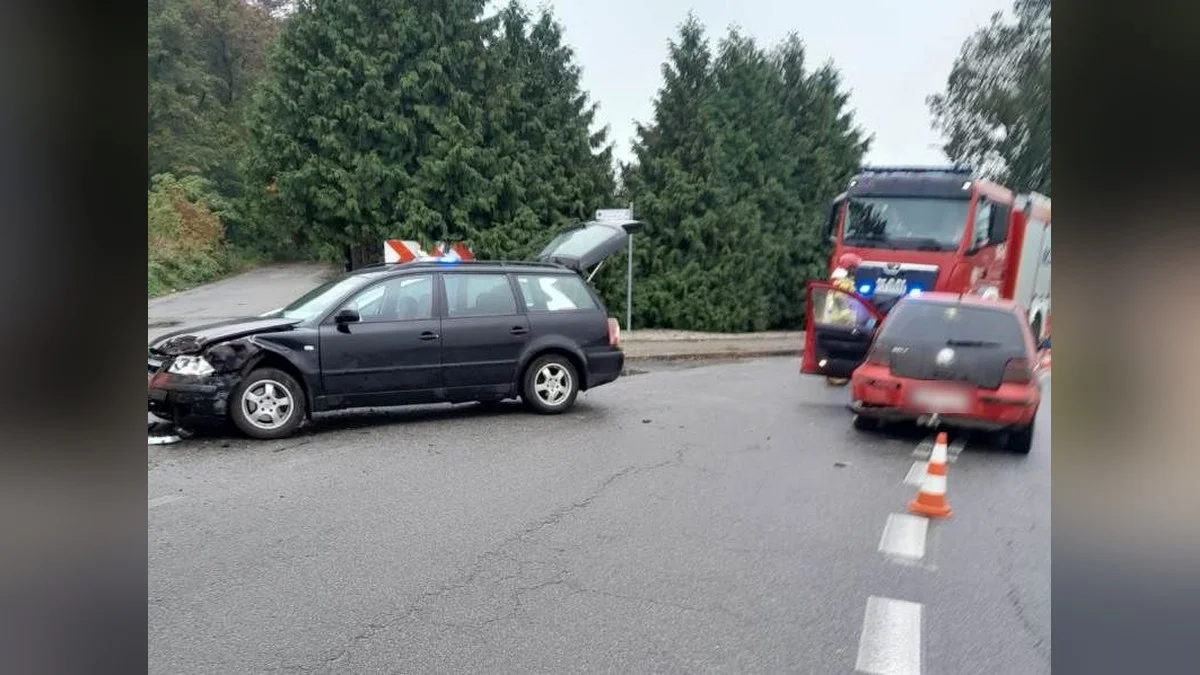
point(518, 330)
point(428, 335)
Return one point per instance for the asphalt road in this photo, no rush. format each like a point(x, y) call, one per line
point(257, 291)
point(687, 519)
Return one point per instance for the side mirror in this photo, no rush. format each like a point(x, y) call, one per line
point(346, 316)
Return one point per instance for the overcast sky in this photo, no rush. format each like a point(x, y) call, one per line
point(891, 53)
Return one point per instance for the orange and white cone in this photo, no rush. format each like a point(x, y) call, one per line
point(931, 498)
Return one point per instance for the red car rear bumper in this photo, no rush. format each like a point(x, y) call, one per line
point(876, 393)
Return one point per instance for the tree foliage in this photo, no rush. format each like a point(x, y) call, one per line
point(185, 235)
point(422, 120)
point(732, 177)
point(204, 58)
point(995, 112)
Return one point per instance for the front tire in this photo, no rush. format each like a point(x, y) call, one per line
point(267, 404)
point(551, 385)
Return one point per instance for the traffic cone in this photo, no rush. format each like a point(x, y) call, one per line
point(931, 498)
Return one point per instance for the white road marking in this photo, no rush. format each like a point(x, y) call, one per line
point(925, 448)
point(904, 536)
point(955, 448)
point(890, 642)
point(916, 474)
point(159, 501)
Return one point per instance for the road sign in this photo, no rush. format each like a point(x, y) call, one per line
point(614, 214)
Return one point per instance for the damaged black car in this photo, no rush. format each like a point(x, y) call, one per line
point(400, 334)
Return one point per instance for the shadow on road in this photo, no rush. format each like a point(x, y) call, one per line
point(381, 418)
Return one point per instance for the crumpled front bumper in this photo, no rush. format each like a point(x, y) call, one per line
point(177, 397)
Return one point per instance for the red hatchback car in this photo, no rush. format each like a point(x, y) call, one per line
point(942, 359)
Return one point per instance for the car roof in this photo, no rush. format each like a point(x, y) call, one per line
point(943, 298)
point(463, 266)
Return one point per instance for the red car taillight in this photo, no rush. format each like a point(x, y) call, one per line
point(1018, 371)
point(614, 333)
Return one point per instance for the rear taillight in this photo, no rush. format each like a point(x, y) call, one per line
point(878, 355)
point(614, 333)
point(1018, 370)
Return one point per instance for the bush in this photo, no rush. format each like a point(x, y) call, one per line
point(186, 238)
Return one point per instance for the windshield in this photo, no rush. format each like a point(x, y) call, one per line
point(923, 224)
point(321, 299)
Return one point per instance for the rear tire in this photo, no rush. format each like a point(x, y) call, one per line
point(550, 385)
point(862, 423)
point(837, 381)
point(267, 404)
point(1020, 441)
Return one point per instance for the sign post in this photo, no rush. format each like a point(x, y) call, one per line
point(624, 215)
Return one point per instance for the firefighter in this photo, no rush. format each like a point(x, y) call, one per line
point(837, 309)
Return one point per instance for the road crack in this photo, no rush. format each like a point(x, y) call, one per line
point(492, 578)
point(1013, 595)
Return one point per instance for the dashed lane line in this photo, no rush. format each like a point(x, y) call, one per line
point(916, 474)
point(890, 641)
point(925, 448)
point(904, 537)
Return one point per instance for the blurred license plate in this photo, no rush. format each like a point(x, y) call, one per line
point(939, 400)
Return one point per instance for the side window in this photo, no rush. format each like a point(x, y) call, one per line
point(983, 223)
point(998, 232)
point(554, 293)
point(835, 208)
point(479, 295)
point(397, 299)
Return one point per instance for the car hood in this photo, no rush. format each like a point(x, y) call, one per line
point(195, 339)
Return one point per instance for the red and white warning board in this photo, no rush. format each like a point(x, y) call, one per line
point(397, 251)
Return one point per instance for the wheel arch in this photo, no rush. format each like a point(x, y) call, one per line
point(571, 354)
point(271, 359)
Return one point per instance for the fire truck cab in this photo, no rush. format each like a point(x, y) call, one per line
point(918, 230)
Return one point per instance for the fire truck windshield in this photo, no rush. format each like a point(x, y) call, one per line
point(912, 223)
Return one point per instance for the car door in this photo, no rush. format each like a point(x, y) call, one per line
point(484, 333)
point(392, 354)
point(840, 328)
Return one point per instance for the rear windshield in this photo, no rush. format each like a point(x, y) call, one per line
point(915, 321)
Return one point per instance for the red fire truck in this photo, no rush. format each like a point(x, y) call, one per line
point(912, 230)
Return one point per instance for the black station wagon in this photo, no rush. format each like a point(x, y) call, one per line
point(398, 334)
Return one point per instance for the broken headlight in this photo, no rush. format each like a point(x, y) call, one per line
point(190, 365)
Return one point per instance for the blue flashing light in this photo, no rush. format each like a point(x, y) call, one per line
point(865, 289)
point(914, 291)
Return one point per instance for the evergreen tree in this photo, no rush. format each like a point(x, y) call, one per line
point(732, 179)
point(827, 148)
point(549, 169)
point(995, 112)
point(371, 126)
point(425, 120)
point(671, 191)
